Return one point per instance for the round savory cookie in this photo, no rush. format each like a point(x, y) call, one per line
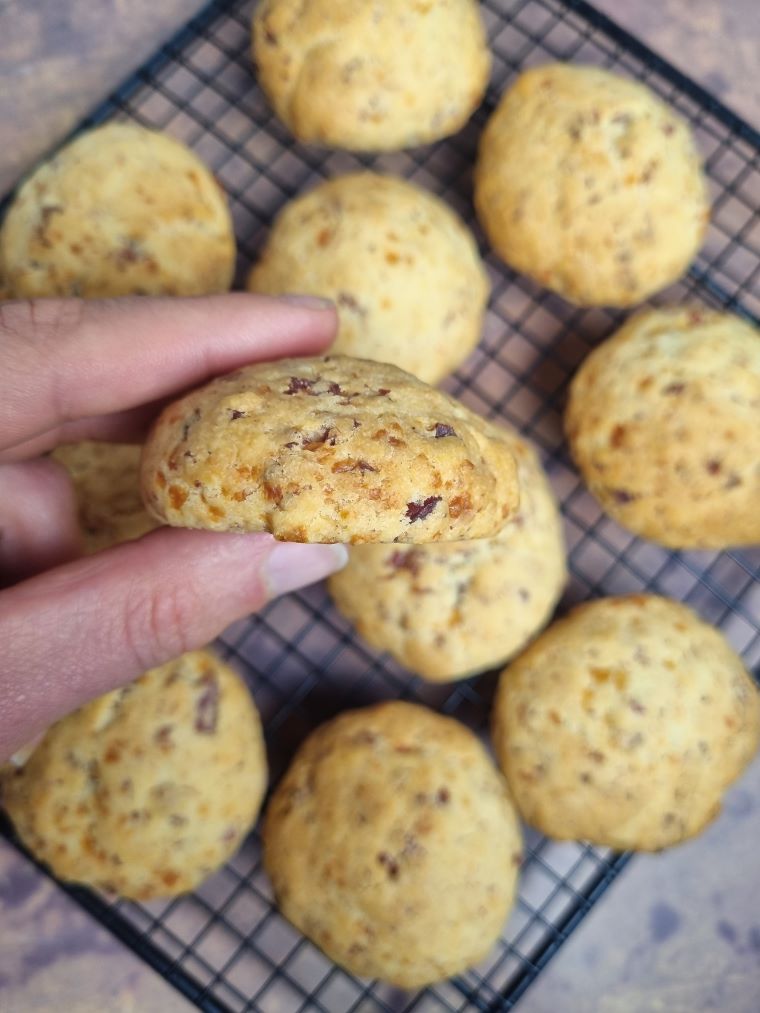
point(365, 76)
point(106, 479)
point(591, 185)
point(121, 210)
point(663, 421)
point(329, 449)
point(447, 610)
point(392, 844)
point(147, 790)
point(402, 269)
point(624, 723)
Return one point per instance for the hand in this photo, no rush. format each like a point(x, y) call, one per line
point(75, 628)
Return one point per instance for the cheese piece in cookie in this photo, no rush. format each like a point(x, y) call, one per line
point(147, 790)
point(401, 268)
point(121, 210)
point(624, 723)
point(447, 610)
point(663, 421)
point(329, 449)
point(591, 185)
point(370, 76)
point(392, 843)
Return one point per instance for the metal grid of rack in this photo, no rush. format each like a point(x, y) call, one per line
point(225, 946)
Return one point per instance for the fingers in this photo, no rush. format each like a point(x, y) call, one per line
point(65, 360)
point(87, 627)
point(38, 519)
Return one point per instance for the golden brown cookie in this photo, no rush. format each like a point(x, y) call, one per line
point(121, 210)
point(147, 790)
point(401, 268)
point(624, 723)
point(447, 610)
point(391, 842)
point(591, 185)
point(371, 77)
point(329, 450)
point(106, 479)
point(663, 421)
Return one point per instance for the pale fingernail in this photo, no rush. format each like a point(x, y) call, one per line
point(291, 565)
point(307, 302)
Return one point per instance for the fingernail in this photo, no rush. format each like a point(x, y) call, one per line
point(291, 565)
point(307, 302)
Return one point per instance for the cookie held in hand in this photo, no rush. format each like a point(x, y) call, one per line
point(329, 449)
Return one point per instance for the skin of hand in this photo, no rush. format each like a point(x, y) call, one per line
point(72, 628)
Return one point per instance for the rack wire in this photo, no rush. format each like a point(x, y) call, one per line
point(225, 946)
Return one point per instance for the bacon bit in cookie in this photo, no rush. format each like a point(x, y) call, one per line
point(356, 424)
point(177, 496)
point(235, 413)
point(617, 436)
point(347, 300)
point(443, 796)
point(270, 37)
point(394, 441)
point(389, 863)
point(459, 505)
point(324, 238)
point(674, 388)
point(713, 467)
point(169, 877)
point(419, 511)
point(636, 706)
point(732, 481)
point(668, 129)
point(382, 391)
point(160, 480)
point(410, 560)
point(207, 704)
point(337, 390)
point(163, 737)
point(314, 441)
point(696, 316)
point(300, 384)
point(186, 425)
point(442, 429)
point(351, 465)
point(623, 496)
point(273, 492)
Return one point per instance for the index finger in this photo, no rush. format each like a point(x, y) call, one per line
point(66, 359)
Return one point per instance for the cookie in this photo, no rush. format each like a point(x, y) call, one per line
point(147, 790)
point(106, 478)
point(592, 186)
point(364, 76)
point(624, 723)
point(451, 609)
point(329, 449)
point(119, 211)
point(401, 268)
point(392, 844)
point(663, 421)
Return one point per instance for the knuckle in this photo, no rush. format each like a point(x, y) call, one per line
point(159, 624)
point(40, 320)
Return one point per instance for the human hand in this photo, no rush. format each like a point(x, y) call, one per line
point(73, 628)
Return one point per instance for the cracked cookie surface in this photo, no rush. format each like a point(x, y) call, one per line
point(624, 723)
point(591, 185)
point(121, 210)
point(663, 421)
point(392, 843)
point(365, 76)
point(329, 449)
point(145, 791)
point(400, 266)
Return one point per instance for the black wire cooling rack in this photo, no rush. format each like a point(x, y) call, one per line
point(225, 947)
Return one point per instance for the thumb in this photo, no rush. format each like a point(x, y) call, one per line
point(82, 629)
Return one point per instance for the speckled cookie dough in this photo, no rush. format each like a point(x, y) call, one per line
point(147, 790)
point(591, 185)
point(329, 449)
point(401, 268)
point(365, 76)
point(106, 479)
point(121, 210)
point(391, 842)
point(450, 609)
point(624, 723)
point(663, 421)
